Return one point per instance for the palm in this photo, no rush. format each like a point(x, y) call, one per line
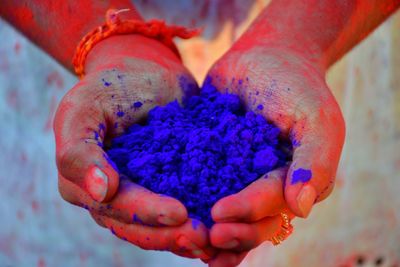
point(289, 91)
point(100, 107)
point(124, 95)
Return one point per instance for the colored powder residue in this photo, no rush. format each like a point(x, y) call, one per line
point(301, 175)
point(200, 152)
point(137, 104)
point(105, 82)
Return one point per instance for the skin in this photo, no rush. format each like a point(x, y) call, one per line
point(63, 28)
point(279, 64)
point(121, 71)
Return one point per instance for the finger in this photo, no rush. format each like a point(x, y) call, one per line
point(317, 145)
point(227, 259)
point(243, 236)
point(184, 240)
point(96, 217)
point(80, 128)
point(264, 197)
point(132, 204)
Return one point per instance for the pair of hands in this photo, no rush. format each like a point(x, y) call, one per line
point(280, 84)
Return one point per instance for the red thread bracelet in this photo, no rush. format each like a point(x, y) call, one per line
point(155, 29)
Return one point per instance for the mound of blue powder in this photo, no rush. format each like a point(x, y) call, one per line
point(200, 152)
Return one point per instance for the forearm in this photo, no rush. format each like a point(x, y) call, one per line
point(58, 26)
point(323, 30)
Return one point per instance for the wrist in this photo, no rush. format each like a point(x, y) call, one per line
point(58, 26)
point(309, 30)
point(112, 51)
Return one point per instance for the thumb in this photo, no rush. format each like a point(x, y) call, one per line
point(311, 176)
point(80, 129)
point(88, 166)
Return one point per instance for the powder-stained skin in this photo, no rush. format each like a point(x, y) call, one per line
point(199, 153)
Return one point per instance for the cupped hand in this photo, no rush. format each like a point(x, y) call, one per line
point(289, 90)
point(125, 77)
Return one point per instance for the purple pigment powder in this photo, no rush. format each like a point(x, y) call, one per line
point(200, 152)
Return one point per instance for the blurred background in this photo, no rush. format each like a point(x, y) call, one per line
point(358, 225)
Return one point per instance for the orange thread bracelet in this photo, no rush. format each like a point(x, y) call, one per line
point(155, 29)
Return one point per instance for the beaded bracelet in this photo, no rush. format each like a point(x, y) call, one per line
point(156, 29)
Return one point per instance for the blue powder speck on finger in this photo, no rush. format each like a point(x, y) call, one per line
point(106, 83)
point(301, 175)
point(200, 152)
point(137, 104)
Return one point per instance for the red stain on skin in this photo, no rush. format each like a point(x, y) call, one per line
point(54, 78)
point(348, 24)
point(24, 15)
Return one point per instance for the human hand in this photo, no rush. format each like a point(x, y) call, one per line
point(289, 90)
point(125, 77)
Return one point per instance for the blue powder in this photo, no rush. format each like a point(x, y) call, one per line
point(301, 175)
point(137, 104)
point(200, 152)
point(106, 83)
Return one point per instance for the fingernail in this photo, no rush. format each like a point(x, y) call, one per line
point(165, 220)
point(97, 184)
point(229, 245)
point(306, 199)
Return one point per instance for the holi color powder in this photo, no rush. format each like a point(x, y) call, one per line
point(200, 152)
